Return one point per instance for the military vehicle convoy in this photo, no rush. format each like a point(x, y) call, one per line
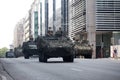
point(29, 48)
point(82, 48)
point(50, 46)
point(55, 46)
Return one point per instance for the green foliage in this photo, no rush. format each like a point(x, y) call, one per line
point(3, 51)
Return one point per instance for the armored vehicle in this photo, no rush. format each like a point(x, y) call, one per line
point(82, 48)
point(18, 52)
point(55, 46)
point(10, 54)
point(29, 48)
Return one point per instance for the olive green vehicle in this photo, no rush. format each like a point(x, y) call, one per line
point(82, 48)
point(55, 46)
point(29, 49)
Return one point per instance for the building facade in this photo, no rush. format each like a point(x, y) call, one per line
point(107, 15)
point(18, 34)
point(40, 20)
point(57, 22)
point(27, 28)
point(34, 19)
point(78, 16)
point(54, 15)
point(64, 15)
point(46, 16)
point(58, 19)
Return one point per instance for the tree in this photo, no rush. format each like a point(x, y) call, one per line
point(3, 51)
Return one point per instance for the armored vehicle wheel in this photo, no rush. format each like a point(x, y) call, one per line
point(88, 56)
point(68, 58)
point(42, 58)
point(26, 57)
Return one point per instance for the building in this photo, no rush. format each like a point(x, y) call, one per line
point(18, 34)
point(53, 21)
point(57, 22)
point(46, 16)
point(107, 25)
point(107, 15)
point(64, 15)
point(27, 28)
point(96, 21)
point(58, 19)
point(40, 20)
point(78, 18)
point(34, 18)
point(54, 15)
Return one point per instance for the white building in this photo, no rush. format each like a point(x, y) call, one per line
point(27, 28)
point(18, 34)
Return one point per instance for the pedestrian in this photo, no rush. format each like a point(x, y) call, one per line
point(115, 53)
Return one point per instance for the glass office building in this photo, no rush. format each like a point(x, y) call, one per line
point(46, 16)
point(35, 24)
point(64, 15)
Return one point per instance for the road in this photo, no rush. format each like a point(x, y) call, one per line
point(56, 69)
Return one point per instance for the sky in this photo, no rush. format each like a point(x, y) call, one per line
point(11, 11)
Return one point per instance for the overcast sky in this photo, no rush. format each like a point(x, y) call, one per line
point(11, 11)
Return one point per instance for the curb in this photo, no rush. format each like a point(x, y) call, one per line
point(4, 75)
point(115, 59)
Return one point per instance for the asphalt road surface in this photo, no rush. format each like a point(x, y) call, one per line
point(56, 69)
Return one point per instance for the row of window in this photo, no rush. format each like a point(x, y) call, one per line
point(110, 1)
point(107, 12)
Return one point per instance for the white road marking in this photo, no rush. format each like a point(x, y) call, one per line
point(75, 69)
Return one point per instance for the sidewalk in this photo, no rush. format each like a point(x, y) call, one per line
point(115, 58)
point(3, 73)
